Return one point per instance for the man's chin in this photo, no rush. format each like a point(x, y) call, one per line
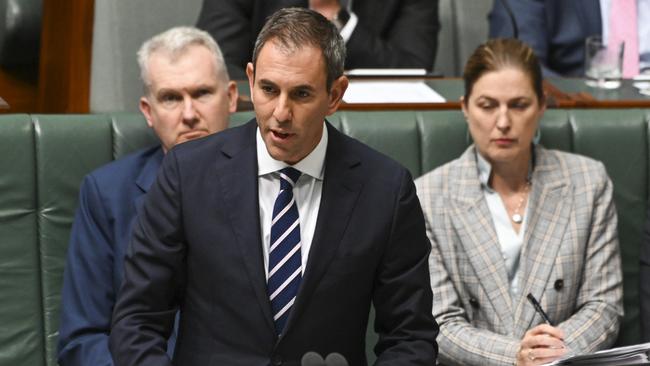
point(279, 154)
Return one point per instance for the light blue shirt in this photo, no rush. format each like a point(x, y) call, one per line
point(643, 25)
point(509, 240)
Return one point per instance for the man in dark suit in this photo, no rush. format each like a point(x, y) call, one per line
point(377, 33)
point(188, 95)
point(273, 238)
point(555, 29)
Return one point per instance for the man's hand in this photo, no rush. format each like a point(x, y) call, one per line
point(541, 345)
point(327, 8)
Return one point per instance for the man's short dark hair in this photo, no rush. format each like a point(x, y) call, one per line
point(294, 28)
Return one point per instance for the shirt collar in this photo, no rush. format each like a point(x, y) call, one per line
point(485, 169)
point(312, 164)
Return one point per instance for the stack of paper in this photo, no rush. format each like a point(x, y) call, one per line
point(630, 355)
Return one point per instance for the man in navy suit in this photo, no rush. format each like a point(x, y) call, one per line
point(187, 95)
point(555, 29)
point(273, 238)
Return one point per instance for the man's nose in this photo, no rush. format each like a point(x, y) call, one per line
point(189, 111)
point(282, 111)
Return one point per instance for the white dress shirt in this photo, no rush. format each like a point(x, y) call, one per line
point(307, 193)
point(509, 240)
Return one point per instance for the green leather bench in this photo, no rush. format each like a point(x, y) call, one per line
point(44, 157)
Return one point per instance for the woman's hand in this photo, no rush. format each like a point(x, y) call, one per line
point(541, 345)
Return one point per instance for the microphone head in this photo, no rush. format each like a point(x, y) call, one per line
point(312, 359)
point(335, 359)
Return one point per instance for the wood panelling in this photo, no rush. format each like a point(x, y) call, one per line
point(66, 45)
point(61, 84)
point(19, 93)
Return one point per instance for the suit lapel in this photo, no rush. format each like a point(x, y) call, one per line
point(238, 183)
point(549, 213)
point(341, 187)
point(147, 176)
point(473, 223)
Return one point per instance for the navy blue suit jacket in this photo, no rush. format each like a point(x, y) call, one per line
point(197, 246)
point(555, 29)
point(109, 200)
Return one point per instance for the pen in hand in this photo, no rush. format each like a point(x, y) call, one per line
point(538, 309)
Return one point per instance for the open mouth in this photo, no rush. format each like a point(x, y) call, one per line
point(281, 135)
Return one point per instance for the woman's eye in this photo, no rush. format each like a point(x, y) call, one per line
point(519, 105)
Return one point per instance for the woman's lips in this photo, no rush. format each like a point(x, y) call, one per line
point(504, 141)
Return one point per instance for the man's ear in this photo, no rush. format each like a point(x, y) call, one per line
point(233, 95)
point(339, 86)
point(250, 72)
point(145, 108)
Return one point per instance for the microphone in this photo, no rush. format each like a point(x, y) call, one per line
point(336, 359)
point(513, 21)
point(312, 359)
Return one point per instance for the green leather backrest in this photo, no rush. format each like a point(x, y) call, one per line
point(44, 157)
point(21, 311)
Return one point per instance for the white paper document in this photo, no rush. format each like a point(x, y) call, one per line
point(629, 355)
point(386, 72)
point(390, 92)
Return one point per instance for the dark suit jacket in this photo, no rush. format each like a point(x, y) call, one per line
point(109, 199)
point(555, 29)
point(390, 33)
point(197, 245)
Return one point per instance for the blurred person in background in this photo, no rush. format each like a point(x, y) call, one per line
point(377, 33)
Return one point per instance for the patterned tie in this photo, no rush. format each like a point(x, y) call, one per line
point(623, 27)
point(285, 260)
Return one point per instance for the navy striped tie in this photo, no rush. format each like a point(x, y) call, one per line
point(285, 260)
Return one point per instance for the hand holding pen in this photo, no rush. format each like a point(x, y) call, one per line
point(543, 343)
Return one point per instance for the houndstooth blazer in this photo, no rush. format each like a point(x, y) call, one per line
point(569, 261)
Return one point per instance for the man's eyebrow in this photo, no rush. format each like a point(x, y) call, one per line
point(164, 91)
point(267, 82)
point(304, 87)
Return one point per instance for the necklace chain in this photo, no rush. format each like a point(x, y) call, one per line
point(517, 217)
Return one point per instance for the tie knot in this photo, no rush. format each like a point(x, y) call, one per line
point(288, 177)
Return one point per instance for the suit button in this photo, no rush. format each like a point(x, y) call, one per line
point(277, 361)
point(473, 302)
point(559, 284)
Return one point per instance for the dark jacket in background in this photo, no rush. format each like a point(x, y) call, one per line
point(390, 33)
point(555, 29)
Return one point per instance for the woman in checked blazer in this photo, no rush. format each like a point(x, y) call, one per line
point(510, 218)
